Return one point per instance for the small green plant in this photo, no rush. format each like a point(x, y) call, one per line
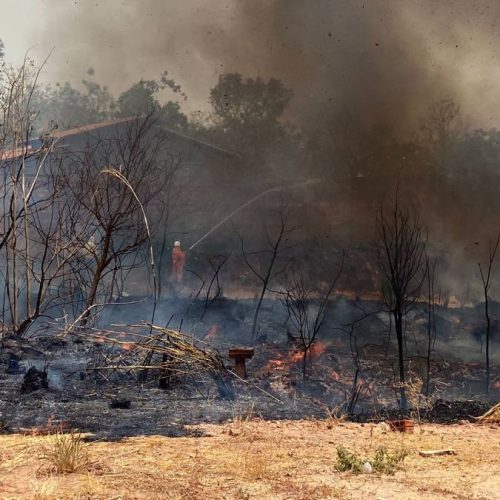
point(66, 453)
point(348, 461)
point(386, 462)
point(383, 462)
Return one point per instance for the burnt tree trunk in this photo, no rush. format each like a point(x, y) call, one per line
point(486, 279)
point(488, 333)
point(398, 322)
point(96, 279)
point(304, 363)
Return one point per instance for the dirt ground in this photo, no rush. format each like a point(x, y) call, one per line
point(251, 458)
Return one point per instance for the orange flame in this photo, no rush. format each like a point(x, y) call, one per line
point(295, 357)
point(277, 364)
point(212, 332)
point(318, 348)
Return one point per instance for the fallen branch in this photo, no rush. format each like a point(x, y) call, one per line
point(435, 453)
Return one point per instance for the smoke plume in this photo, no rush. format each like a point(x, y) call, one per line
point(378, 58)
point(382, 61)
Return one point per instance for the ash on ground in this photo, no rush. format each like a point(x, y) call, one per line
point(82, 394)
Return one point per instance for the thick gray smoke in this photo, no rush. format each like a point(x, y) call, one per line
point(379, 58)
point(381, 61)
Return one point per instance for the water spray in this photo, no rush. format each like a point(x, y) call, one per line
point(250, 202)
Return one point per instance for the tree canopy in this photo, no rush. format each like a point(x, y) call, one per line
point(66, 106)
point(249, 112)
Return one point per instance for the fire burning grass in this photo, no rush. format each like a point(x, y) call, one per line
point(251, 458)
point(284, 361)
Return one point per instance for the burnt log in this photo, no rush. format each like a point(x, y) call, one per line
point(34, 380)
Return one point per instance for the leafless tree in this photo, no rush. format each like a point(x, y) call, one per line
point(115, 233)
point(216, 263)
point(439, 132)
point(432, 299)
point(401, 244)
point(486, 275)
point(307, 309)
point(274, 265)
point(443, 122)
point(358, 386)
point(31, 215)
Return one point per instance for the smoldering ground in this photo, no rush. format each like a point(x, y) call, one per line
point(351, 65)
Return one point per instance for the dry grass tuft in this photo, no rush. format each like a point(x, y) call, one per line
point(66, 453)
point(246, 425)
point(492, 416)
point(45, 490)
point(334, 416)
point(255, 466)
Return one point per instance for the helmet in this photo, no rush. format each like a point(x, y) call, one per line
point(177, 243)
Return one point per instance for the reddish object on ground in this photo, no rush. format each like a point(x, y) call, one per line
point(401, 425)
point(240, 355)
point(178, 262)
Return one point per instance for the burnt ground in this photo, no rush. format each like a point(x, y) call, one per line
point(83, 397)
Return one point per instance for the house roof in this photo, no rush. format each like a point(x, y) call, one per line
point(110, 123)
point(10, 154)
point(203, 143)
point(61, 134)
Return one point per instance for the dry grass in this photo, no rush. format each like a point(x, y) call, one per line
point(492, 416)
point(334, 416)
point(65, 453)
point(266, 460)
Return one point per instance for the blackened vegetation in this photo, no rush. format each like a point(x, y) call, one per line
point(401, 250)
point(34, 380)
point(433, 299)
point(306, 311)
point(169, 354)
point(122, 404)
point(271, 260)
point(486, 280)
point(441, 411)
point(74, 247)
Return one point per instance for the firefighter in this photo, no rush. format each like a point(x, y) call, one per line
point(178, 262)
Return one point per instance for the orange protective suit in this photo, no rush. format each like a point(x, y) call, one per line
point(178, 262)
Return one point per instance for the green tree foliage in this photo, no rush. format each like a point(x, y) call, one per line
point(65, 106)
point(249, 113)
point(142, 98)
point(139, 98)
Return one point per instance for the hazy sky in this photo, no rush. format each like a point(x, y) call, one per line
point(327, 50)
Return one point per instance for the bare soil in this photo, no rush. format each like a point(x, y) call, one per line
point(252, 458)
